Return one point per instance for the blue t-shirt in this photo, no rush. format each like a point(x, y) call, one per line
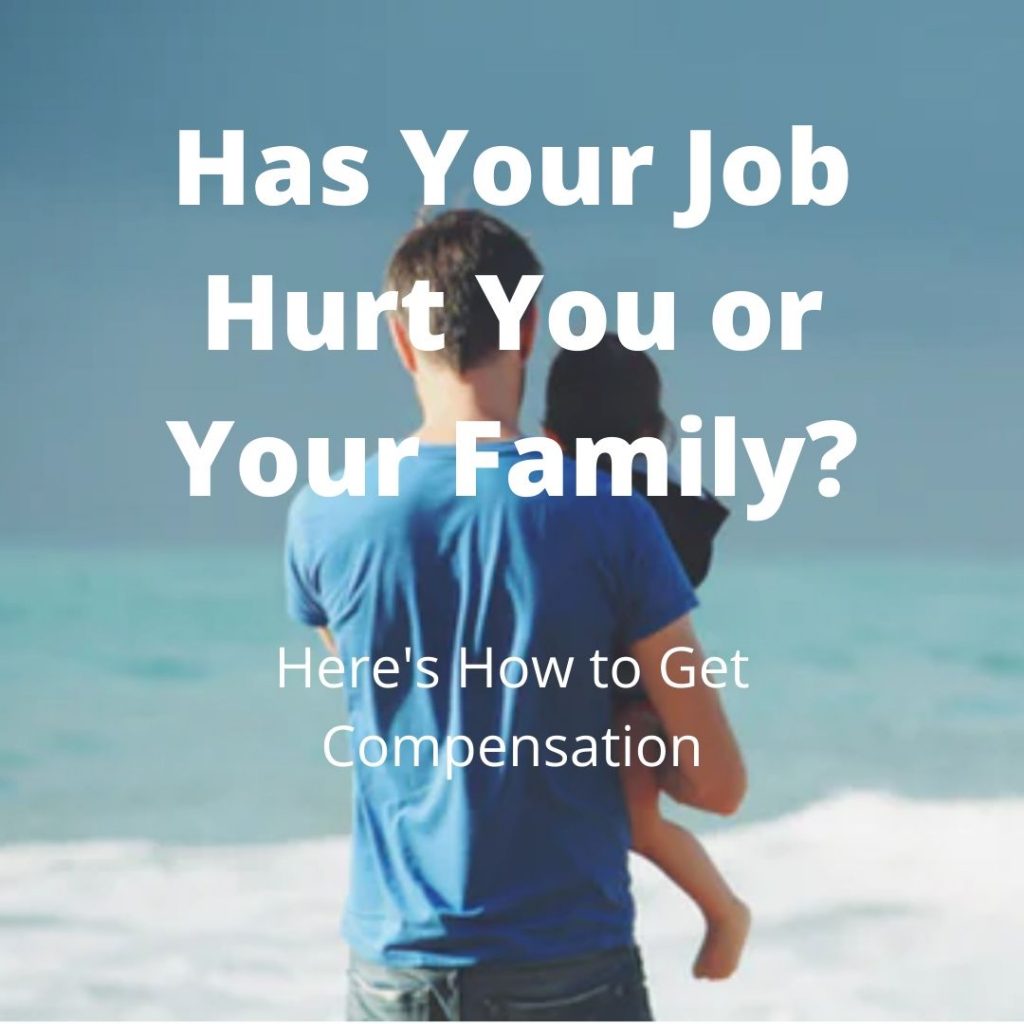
point(514, 863)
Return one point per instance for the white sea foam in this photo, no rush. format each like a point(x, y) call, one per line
point(866, 906)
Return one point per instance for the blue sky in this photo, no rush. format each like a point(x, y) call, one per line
point(103, 275)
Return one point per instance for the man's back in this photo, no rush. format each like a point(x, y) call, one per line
point(513, 863)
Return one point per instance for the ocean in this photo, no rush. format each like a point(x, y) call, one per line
point(173, 844)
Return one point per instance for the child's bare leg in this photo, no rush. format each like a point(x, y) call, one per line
point(682, 857)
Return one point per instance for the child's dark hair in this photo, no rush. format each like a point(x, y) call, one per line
point(607, 391)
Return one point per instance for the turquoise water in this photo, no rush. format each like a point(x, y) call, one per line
point(140, 699)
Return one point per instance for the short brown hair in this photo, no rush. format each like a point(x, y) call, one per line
point(449, 251)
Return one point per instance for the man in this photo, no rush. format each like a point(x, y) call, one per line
point(503, 892)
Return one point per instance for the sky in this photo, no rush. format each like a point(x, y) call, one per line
point(103, 274)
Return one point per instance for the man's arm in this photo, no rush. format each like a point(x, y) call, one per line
point(719, 783)
point(328, 638)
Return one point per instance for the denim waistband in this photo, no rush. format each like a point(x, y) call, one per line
point(500, 969)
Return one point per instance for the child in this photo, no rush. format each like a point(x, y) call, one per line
point(610, 391)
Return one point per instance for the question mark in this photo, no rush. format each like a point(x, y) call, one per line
point(846, 440)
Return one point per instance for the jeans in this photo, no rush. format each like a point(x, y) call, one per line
point(599, 986)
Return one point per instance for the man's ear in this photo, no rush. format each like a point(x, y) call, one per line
point(548, 432)
point(405, 350)
point(528, 331)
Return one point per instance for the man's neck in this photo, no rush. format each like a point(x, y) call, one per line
point(484, 394)
point(440, 427)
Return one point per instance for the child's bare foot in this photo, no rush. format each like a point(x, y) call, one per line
point(723, 943)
